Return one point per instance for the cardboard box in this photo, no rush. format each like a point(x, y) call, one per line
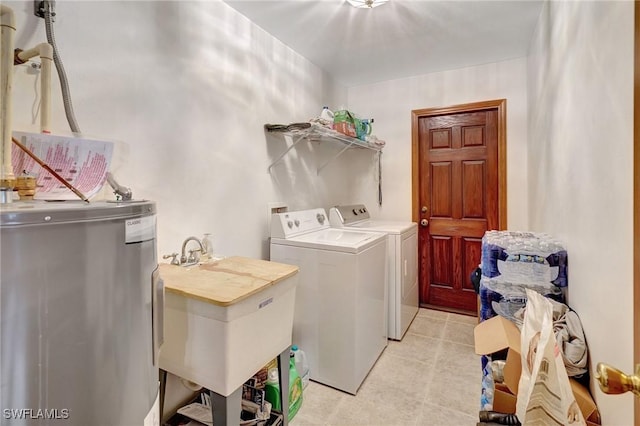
point(585, 402)
point(503, 400)
point(345, 128)
point(499, 334)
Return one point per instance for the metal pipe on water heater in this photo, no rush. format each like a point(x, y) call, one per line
point(45, 51)
point(7, 32)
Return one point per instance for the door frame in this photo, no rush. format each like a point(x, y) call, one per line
point(501, 106)
point(636, 198)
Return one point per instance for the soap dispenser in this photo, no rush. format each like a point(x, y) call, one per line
point(207, 247)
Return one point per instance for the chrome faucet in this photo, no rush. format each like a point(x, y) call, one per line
point(192, 257)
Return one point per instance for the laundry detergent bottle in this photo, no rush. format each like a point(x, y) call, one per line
point(302, 366)
point(272, 389)
point(326, 114)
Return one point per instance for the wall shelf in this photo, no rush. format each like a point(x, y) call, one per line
point(319, 133)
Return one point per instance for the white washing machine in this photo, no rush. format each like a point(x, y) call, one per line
point(402, 261)
point(340, 315)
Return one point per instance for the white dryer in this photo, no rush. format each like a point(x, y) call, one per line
point(402, 261)
point(340, 315)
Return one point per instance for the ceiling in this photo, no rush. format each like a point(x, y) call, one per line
point(399, 39)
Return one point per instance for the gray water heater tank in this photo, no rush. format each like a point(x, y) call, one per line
point(80, 313)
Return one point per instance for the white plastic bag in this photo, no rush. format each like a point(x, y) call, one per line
point(544, 392)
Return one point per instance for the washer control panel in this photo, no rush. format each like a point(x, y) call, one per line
point(290, 224)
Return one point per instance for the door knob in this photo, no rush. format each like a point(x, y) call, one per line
point(424, 222)
point(614, 381)
point(424, 209)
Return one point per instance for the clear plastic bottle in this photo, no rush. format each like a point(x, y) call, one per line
point(302, 366)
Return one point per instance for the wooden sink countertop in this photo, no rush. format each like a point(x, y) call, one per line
point(226, 281)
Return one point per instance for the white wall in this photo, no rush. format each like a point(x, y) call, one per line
point(581, 169)
point(391, 103)
point(187, 87)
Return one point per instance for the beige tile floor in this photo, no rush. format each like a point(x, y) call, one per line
point(431, 377)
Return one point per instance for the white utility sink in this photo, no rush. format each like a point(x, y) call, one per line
point(225, 320)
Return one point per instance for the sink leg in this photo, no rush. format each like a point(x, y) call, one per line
point(163, 392)
point(283, 378)
point(226, 409)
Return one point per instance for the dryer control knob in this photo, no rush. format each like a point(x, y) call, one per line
point(290, 224)
point(355, 211)
point(296, 222)
point(320, 218)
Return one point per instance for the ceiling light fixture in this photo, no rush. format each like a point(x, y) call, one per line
point(366, 4)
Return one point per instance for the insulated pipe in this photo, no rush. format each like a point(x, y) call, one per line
point(7, 32)
point(45, 51)
point(62, 75)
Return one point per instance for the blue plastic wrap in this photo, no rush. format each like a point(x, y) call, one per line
point(486, 396)
point(524, 257)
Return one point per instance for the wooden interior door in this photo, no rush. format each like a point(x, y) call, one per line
point(459, 191)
